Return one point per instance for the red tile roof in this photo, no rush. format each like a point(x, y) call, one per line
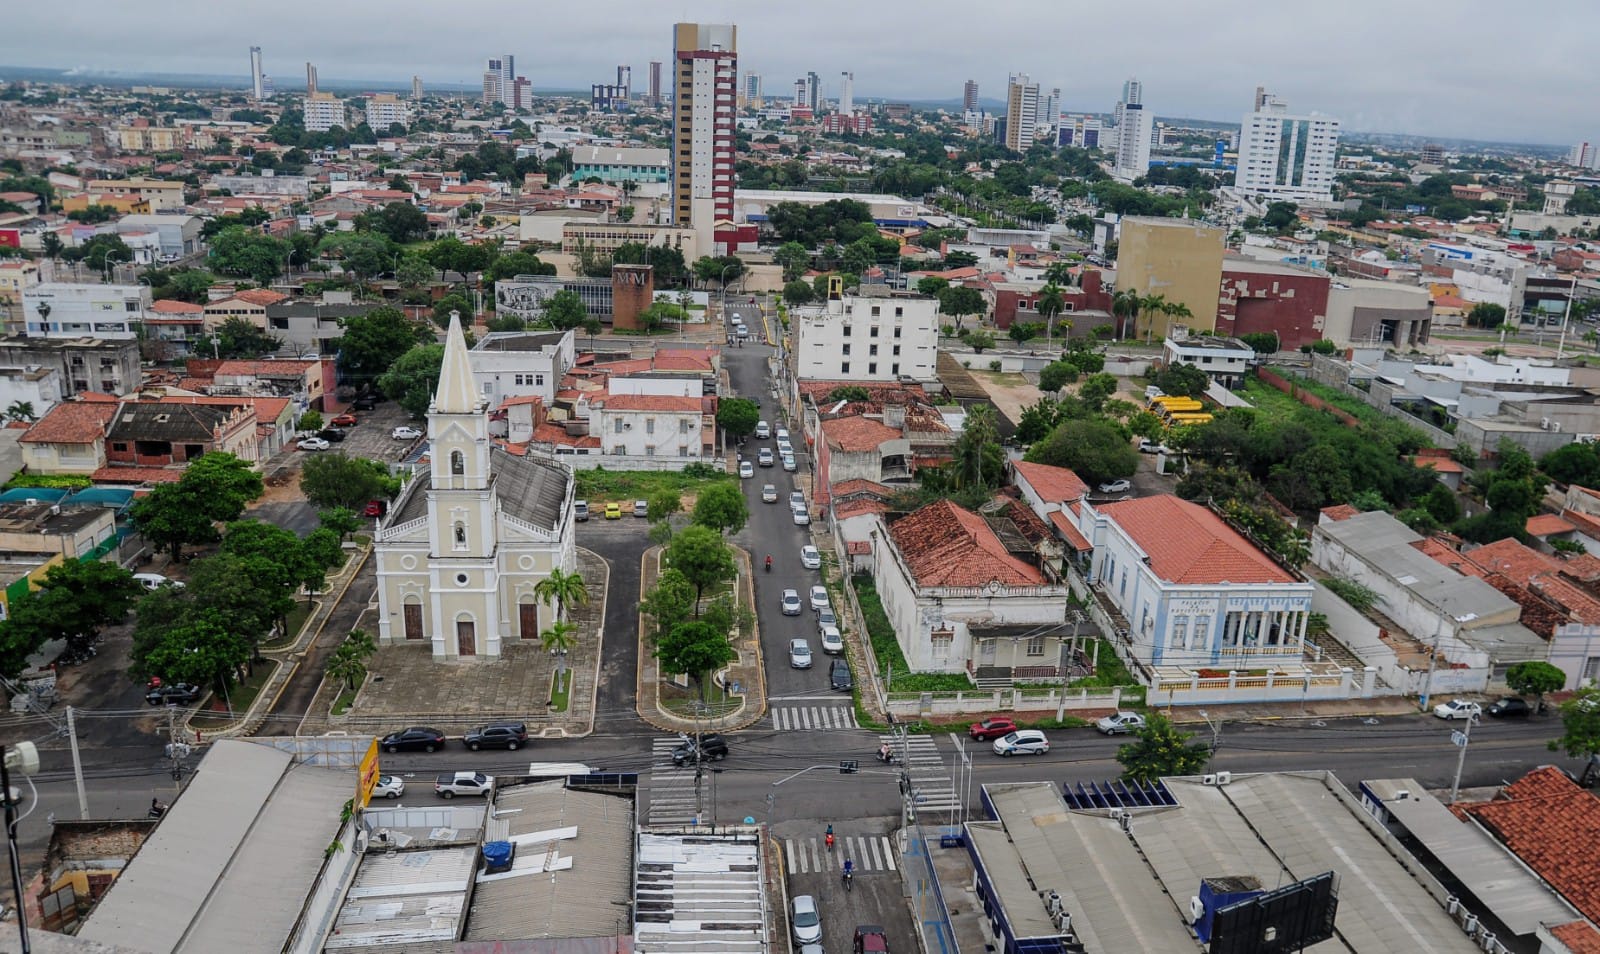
point(1580, 937)
point(855, 508)
point(1554, 827)
point(1539, 572)
point(1187, 543)
point(683, 359)
point(858, 548)
point(651, 402)
point(169, 306)
point(255, 296)
point(71, 422)
point(1052, 484)
point(1340, 512)
point(283, 368)
point(1546, 524)
point(1067, 526)
point(1440, 465)
point(137, 475)
point(860, 485)
point(944, 544)
point(1586, 524)
point(857, 434)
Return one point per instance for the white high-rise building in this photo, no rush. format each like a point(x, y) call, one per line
point(1584, 155)
point(323, 111)
point(311, 79)
point(386, 109)
point(416, 87)
point(258, 79)
point(706, 85)
point(1133, 142)
point(1286, 156)
point(1050, 115)
point(1022, 112)
point(802, 96)
point(500, 79)
point(847, 93)
point(1132, 92)
point(752, 90)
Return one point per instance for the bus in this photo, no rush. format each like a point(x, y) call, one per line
point(1174, 404)
point(1180, 420)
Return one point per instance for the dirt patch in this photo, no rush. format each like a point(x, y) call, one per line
point(281, 486)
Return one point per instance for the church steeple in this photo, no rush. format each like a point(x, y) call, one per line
point(456, 394)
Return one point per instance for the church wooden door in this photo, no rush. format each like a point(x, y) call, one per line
point(466, 642)
point(413, 613)
point(528, 620)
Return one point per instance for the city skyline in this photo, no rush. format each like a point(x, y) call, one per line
point(1315, 57)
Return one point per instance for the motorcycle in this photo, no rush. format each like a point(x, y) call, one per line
point(885, 756)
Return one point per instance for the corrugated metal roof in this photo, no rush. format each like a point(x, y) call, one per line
point(698, 893)
point(405, 898)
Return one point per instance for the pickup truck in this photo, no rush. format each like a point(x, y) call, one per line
point(451, 784)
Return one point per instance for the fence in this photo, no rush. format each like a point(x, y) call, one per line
point(934, 705)
point(632, 462)
point(1236, 688)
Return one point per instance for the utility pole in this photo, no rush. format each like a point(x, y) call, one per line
point(77, 765)
point(1461, 739)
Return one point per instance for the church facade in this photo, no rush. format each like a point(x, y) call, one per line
point(469, 538)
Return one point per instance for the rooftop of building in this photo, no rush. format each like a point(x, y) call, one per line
point(1390, 546)
point(698, 893)
point(1052, 484)
point(944, 544)
point(511, 341)
point(1554, 827)
point(71, 422)
point(1188, 544)
point(531, 487)
point(857, 434)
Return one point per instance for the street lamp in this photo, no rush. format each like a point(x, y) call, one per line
point(24, 757)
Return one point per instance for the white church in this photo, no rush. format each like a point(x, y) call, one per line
point(467, 541)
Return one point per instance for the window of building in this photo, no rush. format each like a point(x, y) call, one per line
point(684, 424)
point(649, 450)
point(899, 312)
point(897, 332)
point(1180, 632)
point(896, 351)
point(844, 367)
point(875, 310)
point(872, 368)
point(458, 463)
point(845, 350)
point(538, 380)
point(649, 425)
point(1036, 646)
point(872, 332)
point(846, 330)
point(616, 426)
point(940, 644)
point(894, 369)
point(460, 535)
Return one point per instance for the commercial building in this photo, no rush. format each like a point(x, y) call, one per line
point(385, 110)
point(323, 111)
point(1367, 312)
point(1224, 360)
point(618, 164)
point(1179, 259)
point(1286, 156)
point(706, 61)
point(847, 93)
point(1084, 132)
point(1290, 301)
point(178, 235)
point(499, 79)
point(164, 195)
point(258, 79)
point(515, 364)
point(1133, 142)
point(607, 97)
point(84, 364)
point(655, 83)
point(1022, 112)
point(1132, 95)
point(416, 87)
point(969, 97)
point(868, 337)
point(60, 310)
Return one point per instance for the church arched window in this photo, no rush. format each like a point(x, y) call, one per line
point(458, 462)
point(461, 534)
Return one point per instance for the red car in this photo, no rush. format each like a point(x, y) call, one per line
point(376, 508)
point(345, 420)
point(991, 729)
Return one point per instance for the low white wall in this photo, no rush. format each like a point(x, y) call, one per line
point(924, 705)
point(1358, 634)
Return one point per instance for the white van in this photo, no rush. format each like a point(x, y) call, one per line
point(763, 430)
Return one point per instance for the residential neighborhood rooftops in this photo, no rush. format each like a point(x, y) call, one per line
point(1052, 484)
point(945, 544)
point(71, 422)
point(857, 434)
point(1554, 827)
point(1187, 543)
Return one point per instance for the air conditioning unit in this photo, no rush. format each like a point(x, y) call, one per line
point(1210, 779)
point(1127, 821)
point(1224, 778)
point(1402, 795)
point(1197, 910)
point(1544, 423)
point(1052, 903)
point(1555, 427)
point(1115, 813)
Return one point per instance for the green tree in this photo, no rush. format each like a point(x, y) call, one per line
point(722, 507)
point(1038, 420)
point(1575, 463)
point(309, 421)
point(565, 310)
point(363, 254)
point(349, 662)
point(663, 505)
point(977, 458)
point(670, 602)
point(1159, 749)
point(1096, 390)
point(1051, 303)
point(346, 483)
point(198, 649)
point(172, 516)
point(1056, 375)
point(401, 222)
point(1182, 380)
point(959, 301)
point(227, 483)
point(1536, 678)
point(797, 293)
point(562, 590)
point(738, 416)
point(1024, 331)
point(101, 252)
point(1096, 449)
point(559, 637)
point(450, 254)
point(1486, 314)
point(236, 337)
point(341, 520)
point(453, 303)
point(517, 263)
point(414, 271)
point(21, 411)
point(1440, 502)
point(412, 380)
point(373, 342)
point(979, 341)
point(237, 250)
point(794, 258)
point(699, 553)
point(76, 600)
point(697, 648)
point(1261, 342)
point(1580, 725)
point(932, 285)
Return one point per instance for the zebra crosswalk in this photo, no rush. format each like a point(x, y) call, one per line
point(936, 792)
point(673, 799)
point(813, 718)
point(869, 852)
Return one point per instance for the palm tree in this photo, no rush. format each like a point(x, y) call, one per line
point(1050, 305)
point(1058, 273)
point(21, 411)
point(558, 638)
point(349, 662)
point(562, 589)
point(1125, 305)
point(1593, 338)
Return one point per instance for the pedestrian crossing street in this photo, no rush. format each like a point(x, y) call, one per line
point(789, 718)
point(673, 800)
point(869, 852)
point(929, 777)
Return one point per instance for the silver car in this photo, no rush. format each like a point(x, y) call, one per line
point(791, 603)
point(799, 654)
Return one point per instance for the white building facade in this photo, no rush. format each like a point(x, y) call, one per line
point(647, 425)
point(868, 339)
point(1133, 142)
point(323, 111)
point(513, 364)
point(1286, 156)
point(59, 310)
point(1022, 112)
point(705, 97)
point(386, 109)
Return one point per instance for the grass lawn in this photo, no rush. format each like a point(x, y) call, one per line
point(604, 485)
point(560, 690)
point(890, 659)
point(342, 704)
point(297, 619)
point(239, 697)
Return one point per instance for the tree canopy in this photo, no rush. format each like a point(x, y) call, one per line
point(339, 481)
point(1094, 448)
point(1160, 749)
point(412, 380)
point(722, 507)
point(374, 341)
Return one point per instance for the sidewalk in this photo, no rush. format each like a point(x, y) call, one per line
point(1387, 707)
point(745, 676)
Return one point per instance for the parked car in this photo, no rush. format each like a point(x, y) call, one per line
point(173, 694)
point(713, 748)
point(839, 679)
point(769, 493)
point(799, 654)
point(1116, 487)
point(331, 434)
point(345, 420)
point(497, 735)
point(826, 617)
point(871, 939)
point(376, 508)
point(763, 430)
point(1120, 723)
point(764, 457)
point(1510, 707)
point(580, 510)
point(389, 786)
point(613, 511)
point(746, 470)
point(1457, 709)
point(1153, 447)
point(801, 518)
point(991, 729)
point(832, 641)
point(804, 920)
point(810, 557)
point(1022, 742)
point(414, 739)
point(313, 444)
point(791, 603)
point(819, 596)
point(781, 435)
point(154, 581)
point(405, 432)
point(641, 508)
point(797, 500)
point(788, 462)
point(365, 402)
point(451, 784)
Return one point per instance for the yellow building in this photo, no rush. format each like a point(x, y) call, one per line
point(164, 195)
point(1179, 259)
point(148, 138)
point(125, 202)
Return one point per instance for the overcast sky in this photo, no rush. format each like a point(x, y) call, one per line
point(1471, 68)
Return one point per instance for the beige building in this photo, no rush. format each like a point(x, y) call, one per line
point(164, 196)
point(148, 138)
point(462, 549)
point(1180, 259)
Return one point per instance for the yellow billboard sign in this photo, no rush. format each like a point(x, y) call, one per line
point(367, 775)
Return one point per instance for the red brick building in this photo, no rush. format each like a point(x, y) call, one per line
point(1266, 296)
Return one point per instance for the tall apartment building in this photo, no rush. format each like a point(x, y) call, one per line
point(416, 87)
point(1132, 92)
point(311, 79)
point(625, 80)
point(323, 111)
point(752, 90)
point(1050, 113)
point(802, 93)
point(1180, 259)
point(499, 80)
point(1584, 155)
point(847, 93)
point(1084, 132)
point(521, 94)
point(655, 82)
point(878, 336)
point(1133, 143)
point(258, 79)
point(814, 92)
point(1286, 156)
point(386, 109)
point(705, 87)
point(969, 97)
point(1022, 112)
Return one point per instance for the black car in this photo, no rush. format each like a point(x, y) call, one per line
point(713, 748)
point(839, 676)
point(331, 434)
point(365, 402)
point(415, 739)
point(497, 735)
point(176, 694)
point(1510, 707)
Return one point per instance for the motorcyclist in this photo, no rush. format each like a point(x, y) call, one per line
point(769, 563)
point(849, 867)
point(829, 838)
point(884, 754)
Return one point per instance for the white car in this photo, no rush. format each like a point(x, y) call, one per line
point(785, 449)
point(763, 430)
point(405, 432)
point(782, 435)
point(832, 641)
point(764, 457)
point(313, 444)
point(1116, 487)
point(801, 518)
point(1457, 709)
point(797, 500)
point(769, 493)
point(819, 597)
point(810, 557)
point(791, 603)
point(1022, 742)
point(804, 920)
point(1120, 723)
point(452, 784)
point(788, 462)
point(746, 469)
point(389, 786)
point(799, 654)
point(155, 581)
